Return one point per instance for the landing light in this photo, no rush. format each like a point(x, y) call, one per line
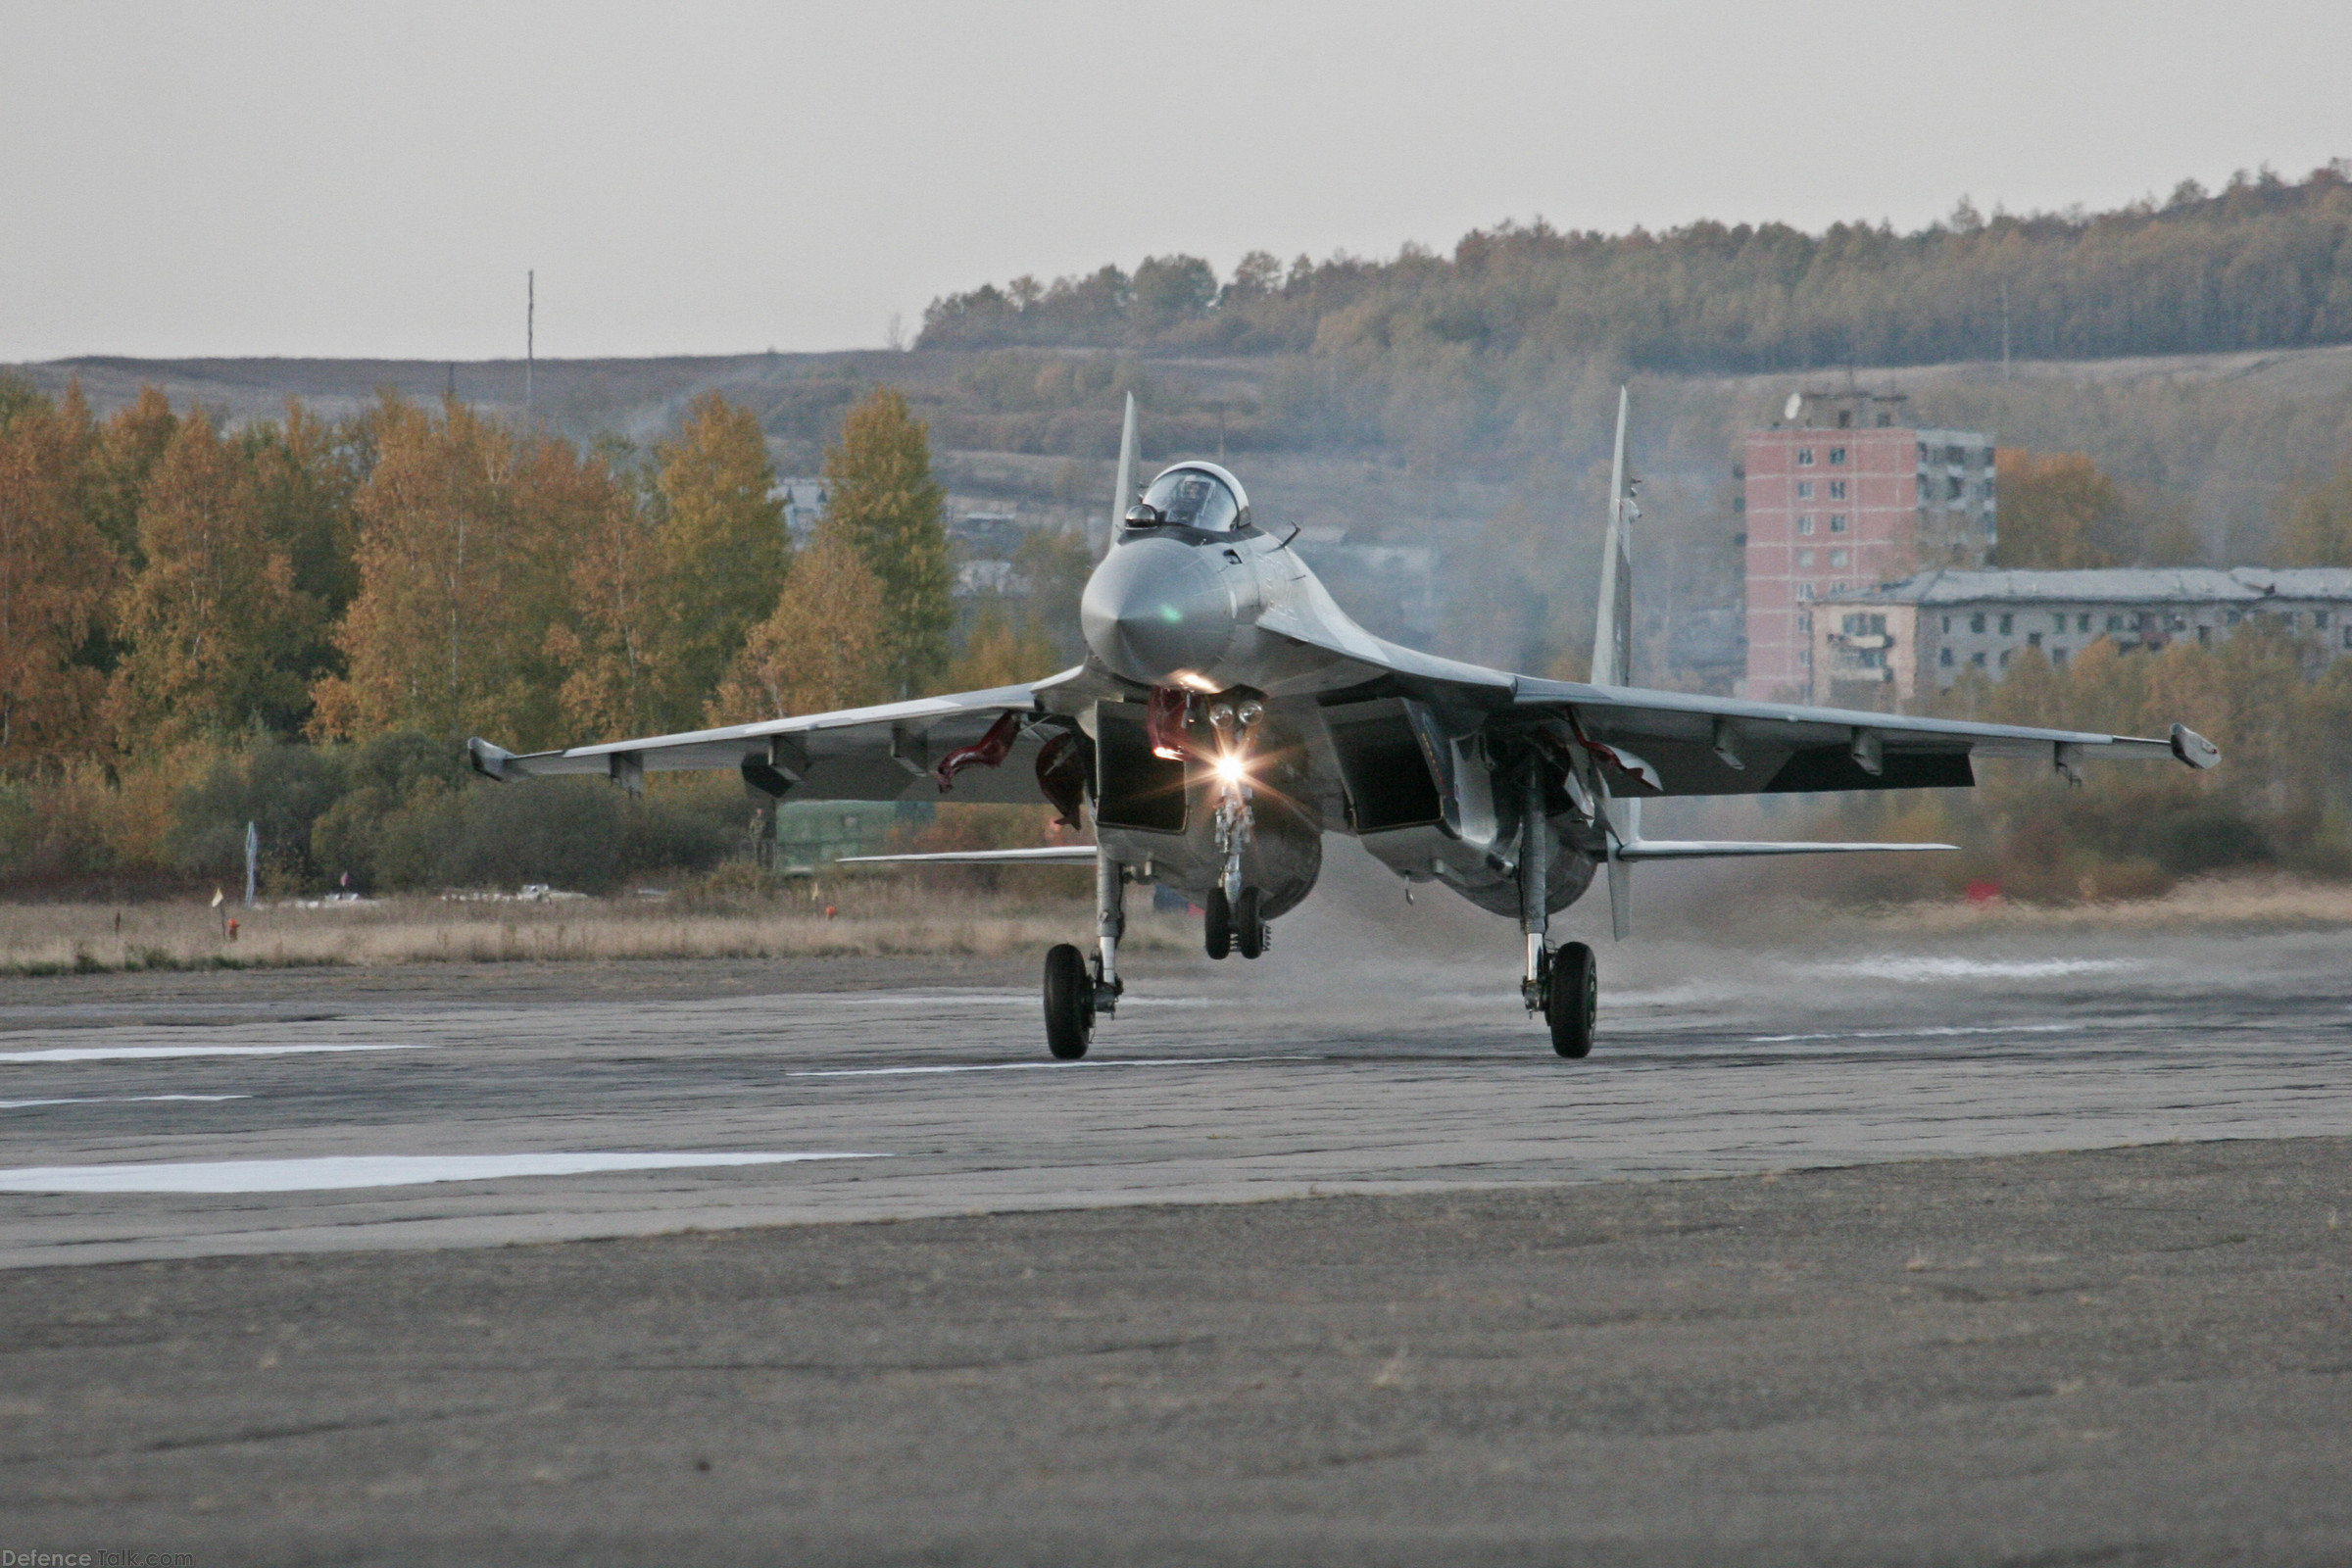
point(1232, 767)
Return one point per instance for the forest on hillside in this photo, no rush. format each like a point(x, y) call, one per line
point(2264, 263)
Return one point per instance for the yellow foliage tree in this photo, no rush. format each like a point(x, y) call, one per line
point(464, 530)
point(723, 547)
point(55, 573)
point(1000, 652)
point(2058, 512)
point(614, 643)
point(213, 616)
point(881, 497)
point(824, 646)
point(2318, 524)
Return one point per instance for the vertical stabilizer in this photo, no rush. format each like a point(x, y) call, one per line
point(1124, 496)
point(1613, 627)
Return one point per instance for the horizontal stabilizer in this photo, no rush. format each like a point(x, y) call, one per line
point(1050, 854)
point(1721, 849)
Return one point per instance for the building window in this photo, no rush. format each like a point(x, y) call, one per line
point(1804, 524)
point(2058, 656)
point(1804, 656)
point(1837, 455)
point(1977, 659)
point(1804, 456)
point(1944, 659)
point(2175, 623)
point(2032, 639)
point(1954, 489)
point(1837, 587)
point(1976, 622)
point(1804, 558)
point(1804, 590)
point(2205, 634)
point(2319, 620)
point(1839, 558)
point(1837, 489)
point(2081, 623)
point(2348, 636)
point(2005, 624)
point(1947, 628)
point(1805, 489)
point(1955, 454)
point(1922, 484)
point(2230, 616)
point(2115, 623)
point(1804, 621)
point(1836, 523)
point(2005, 653)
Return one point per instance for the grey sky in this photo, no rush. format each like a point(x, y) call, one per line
point(356, 179)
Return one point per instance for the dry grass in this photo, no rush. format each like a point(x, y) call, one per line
point(874, 919)
point(2246, 900)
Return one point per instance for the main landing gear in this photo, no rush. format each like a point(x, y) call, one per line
point(1562, 984)
point(1078, 989)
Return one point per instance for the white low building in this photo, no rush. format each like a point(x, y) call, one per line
point(1921, 633)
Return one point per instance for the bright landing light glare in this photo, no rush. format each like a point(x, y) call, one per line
point(1232, 767)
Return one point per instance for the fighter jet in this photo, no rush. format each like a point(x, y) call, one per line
point(1229, 715)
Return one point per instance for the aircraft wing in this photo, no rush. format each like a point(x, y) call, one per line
point(1674, 743)
point(894, 751)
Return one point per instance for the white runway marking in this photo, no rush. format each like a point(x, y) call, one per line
point(1943, 1032)
point(131, 1053)
point(1896, 966)
point(1018, 1066)
point(115, 1100)
point(336, 1171)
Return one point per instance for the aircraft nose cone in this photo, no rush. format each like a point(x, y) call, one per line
point(1156, 608)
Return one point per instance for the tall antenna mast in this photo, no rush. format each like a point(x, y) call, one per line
point(530, 332)
point(2004, 329)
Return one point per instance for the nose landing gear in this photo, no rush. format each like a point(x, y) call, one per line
point(1229, 925)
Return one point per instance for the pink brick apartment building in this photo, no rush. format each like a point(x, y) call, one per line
point(1842, 495)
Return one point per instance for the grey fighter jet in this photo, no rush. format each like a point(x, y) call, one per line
point(1229, 715)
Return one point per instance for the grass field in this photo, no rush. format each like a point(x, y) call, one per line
point(872, 917)
point(881, 916)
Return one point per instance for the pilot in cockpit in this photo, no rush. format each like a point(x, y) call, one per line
point(1192, 498)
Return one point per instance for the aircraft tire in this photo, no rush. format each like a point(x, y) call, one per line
point(1216, 924)
point(1572, 1000)
point(1248, 930)
point(1069, 1003)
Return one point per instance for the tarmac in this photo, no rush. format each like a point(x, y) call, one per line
point(2022, 1248)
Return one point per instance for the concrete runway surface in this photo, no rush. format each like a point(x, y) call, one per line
point(1501, 1337)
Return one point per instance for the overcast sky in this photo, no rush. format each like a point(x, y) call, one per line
point(350, 179)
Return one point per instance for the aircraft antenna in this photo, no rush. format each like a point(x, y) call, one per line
point(530, 328)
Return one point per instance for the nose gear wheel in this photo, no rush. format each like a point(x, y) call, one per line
point(1572, 1000)
point(1069, 1003)
point(1216, 924)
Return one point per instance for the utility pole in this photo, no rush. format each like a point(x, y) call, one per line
point(2004, 329)
point(530, 329)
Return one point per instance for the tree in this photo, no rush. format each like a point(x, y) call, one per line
point(615, 643)
point(462, 535)
point(305, 473)
point(883, 500)
point(213, 620)
point(724, 546)
point(1002, 651)
point(2058, 512)
point(55, 573)
point(824, 648)
point(2318, 524)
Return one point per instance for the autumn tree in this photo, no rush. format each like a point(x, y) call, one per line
point(825, 646)
point(881, 498)
point(2318, 524)
point(56, 569)
point(464, 530)
point(614, 641)
point(723, 547)
point(129, 445)
point(305, 471)
point(2058, 512)
point(1002, 649)
point(213, 620)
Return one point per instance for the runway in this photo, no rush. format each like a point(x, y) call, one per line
point(1341, 1064)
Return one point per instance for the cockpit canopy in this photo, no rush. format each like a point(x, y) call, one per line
point(1196, 495)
